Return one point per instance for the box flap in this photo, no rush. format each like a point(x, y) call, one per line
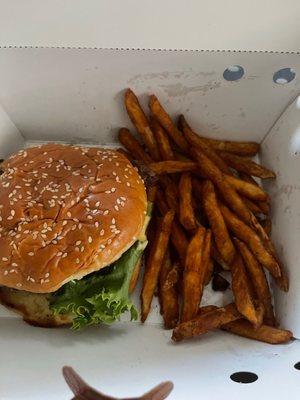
point(191, 25)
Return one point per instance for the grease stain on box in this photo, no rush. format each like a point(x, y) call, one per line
point(178, 89)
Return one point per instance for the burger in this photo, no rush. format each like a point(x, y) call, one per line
point(72, 231)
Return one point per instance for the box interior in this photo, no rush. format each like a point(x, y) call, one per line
point(76, 96)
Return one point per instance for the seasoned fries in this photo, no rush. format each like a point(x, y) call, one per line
point(264, 333)
point(141, 123)
point(243, 292)
point(247, 189)
point(259, 281)
point(135, 276)
point(243, 164)
point(247, 235)
point(168, 294)
point(162, 140)
point(193, 276)
point(154, 263)
point(166, 122)
point(197, 141)
point(206, 322)
point(186, 211)
point(132, 145)
point(215, 217)
point(216, 221)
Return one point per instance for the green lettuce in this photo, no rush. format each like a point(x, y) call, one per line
point(100, 297)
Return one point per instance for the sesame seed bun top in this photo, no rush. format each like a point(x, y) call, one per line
point(66, 212)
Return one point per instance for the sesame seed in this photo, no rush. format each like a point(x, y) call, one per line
point(64, 255)
point(106, 212)
point(32, 280)
point(113, 221)
point(123, 198)
point(64, 223)
point(90, 239)
point(19, 284)
point(78, 242)
point(82, 249)
point(96, 224)
point(116, 208)
point(14, 264)
point(107, 191)
point(109, 241)
point(69, 215)
point(79, 225)
point(128, 184)
point(97, 204)
point(31, 254)
point(89, 217)
point(77, 249)
point(113, 189)
point(102, 232)
point(77, 261)
point(5, 272)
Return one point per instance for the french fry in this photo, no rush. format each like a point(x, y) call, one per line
point(126, 154)
point(247, 189)
point(133, 146)
point(267, 225)
point(165, 149)
point(195, 140)
point(219, 283)
point(253, 207)
point(264, 333)
point(216, 222)
point(171, 193)
point(230, 196)
point(216, 256)
point(206, 309)
point(243, 164)
point(135, 275)
point(206, 257)
point(186, 211)
point(247, 235)
point(166, 122)
point(259, 280)
point(197, 188)
point(172, 167)
point(193, 276)
point(205, 322)
point(154, 263)
point(151, 193)
point(239, 148)
point(139, 120)
point(243, 292)
point(263, 205)
point(168, 295)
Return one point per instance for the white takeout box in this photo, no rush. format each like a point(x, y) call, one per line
point(62, 78)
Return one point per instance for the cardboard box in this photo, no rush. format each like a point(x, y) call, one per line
point(75, 95)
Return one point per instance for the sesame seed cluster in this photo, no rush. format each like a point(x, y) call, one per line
point(66, 211)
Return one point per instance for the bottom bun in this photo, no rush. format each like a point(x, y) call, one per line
point(34, 308)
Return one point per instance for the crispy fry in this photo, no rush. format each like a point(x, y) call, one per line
point(247, 189)
point(267, 225)
point(243, 164)
point(161, 202)
point(206, 309)
point(263, 205)
point(212, 172)
point(197, 188)
point(239, 148)
point(206, 322)
point(216, 256)
point(197, 141)
point(171, 193)
point(186, 211)
point(193, 276)
point(171, 167)
point(165, 149)
point(259, 280)
point(135, 275)
point(154, 263)
point(133, 146)
point(151, 193)
point(219, 283)
point(216, 222)
point(264, 333)
point(247, 235)
point(139, 120)
point(243, 292)
point(168, 295)
point(206, 257)
point(166, 122)
point(253, 207)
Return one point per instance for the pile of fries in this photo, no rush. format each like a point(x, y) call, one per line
point(210, 216)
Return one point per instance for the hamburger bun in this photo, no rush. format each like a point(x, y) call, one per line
point(65, 212)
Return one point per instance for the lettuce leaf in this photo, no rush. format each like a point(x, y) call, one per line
point(100, 297)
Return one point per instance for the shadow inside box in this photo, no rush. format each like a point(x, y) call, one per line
point(15, 329)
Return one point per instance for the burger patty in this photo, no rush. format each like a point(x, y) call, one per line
point(33, 307)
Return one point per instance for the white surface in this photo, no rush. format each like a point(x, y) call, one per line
point(127, 360)
point(10, 138)
point(50, 94)
point(281, 152)
point(77, 95)
point(271, 25)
